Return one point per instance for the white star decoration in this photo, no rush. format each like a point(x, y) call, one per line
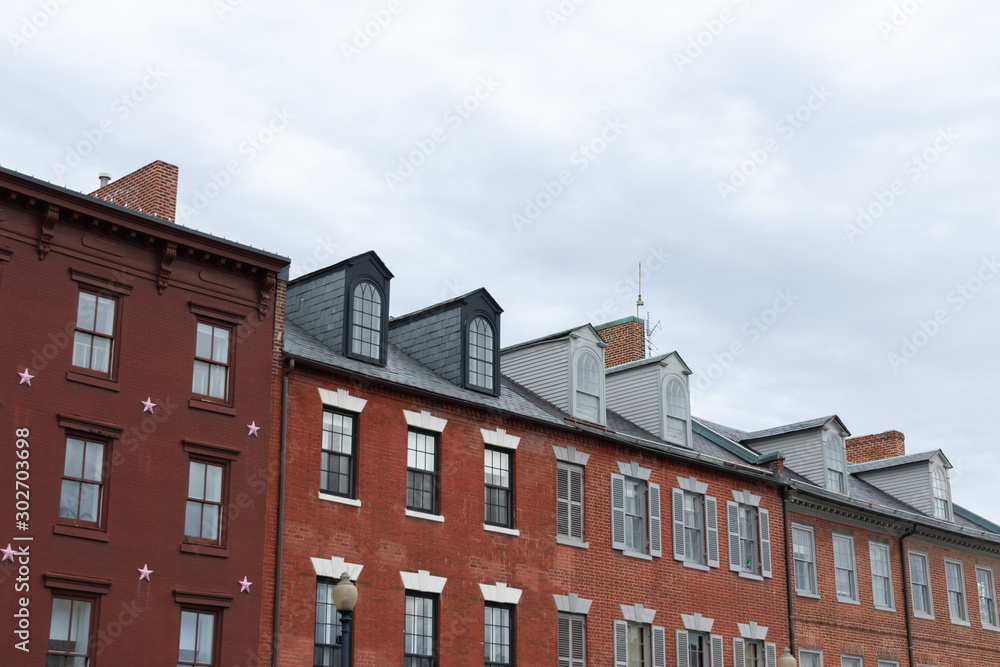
point(144, 572)
point(253, 429)
point(8, 554)
point(148, 405)
point(26, 377)
point(245, 585)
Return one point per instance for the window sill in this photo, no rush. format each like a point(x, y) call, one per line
point(102, 383)
point(808, 594)
point(695, 566)
point(212, 407)
point(922, 615)
point(95, 534)
point(425, 516)
point(353, 502)
point(991, 628)
point(503, 531)
point(204, 550)
point(636, 554)
point(848, 601)
point(961, 622)
point(888, 609)
point(569, 542)
point(748, 575)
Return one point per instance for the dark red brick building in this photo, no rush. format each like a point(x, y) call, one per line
point(137, 356)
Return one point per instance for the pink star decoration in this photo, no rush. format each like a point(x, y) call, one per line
point(26, 377)
point(245, 585)
point(253, 429)
point(148, 405)
point(8, 554)
point(144, 572)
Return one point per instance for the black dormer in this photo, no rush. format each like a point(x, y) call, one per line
point(366, 308)
point(481, 342)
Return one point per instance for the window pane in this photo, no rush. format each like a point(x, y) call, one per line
point(206, 631)
point(90, 502)
point(213, 483)
point(105, 316)
point(218, 376)
point(188, 638)
point(74, 458)
point(220, 346)
point(59, 628)
point(192, 519)
point(199, 384)
point(86, 309)
point(101, 360)
point(93, 461)
point(196, 480)
point(80, 627)
point(203, 341)
point(210, 522)
point(69, 499)
point(81, 349)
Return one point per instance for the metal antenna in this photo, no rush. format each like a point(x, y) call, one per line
point(638, 302)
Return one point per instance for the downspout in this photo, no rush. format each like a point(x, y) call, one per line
point(788, 570)
point(906, 594)
point(281, 513)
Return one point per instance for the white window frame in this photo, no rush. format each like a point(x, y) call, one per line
point(654, 649)
point(860, 660)
point(709, 525)
point(940, 476)
point(993, 598)
point(566, 505)
point(682, 413)
point(633, 472)
point(834, 461)
point(928, 615)
point(741, 500)
point(599, 418)
point(682, 651)
point(957, 620)
point(806, 592)
point(853, 569)
point(872, 547)
point(804, 652)
point(888, 663)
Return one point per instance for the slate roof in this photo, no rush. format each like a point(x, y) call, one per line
point(973, 519)
point(895, 461)
point(739, 436)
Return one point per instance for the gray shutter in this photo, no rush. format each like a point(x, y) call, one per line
point(677, 515)
point(576, 503)
point(564, 641)
point(617, 512)
point(764, 519)
point(738, 657)
point(682, 646)
point(716, 642)
point(733, 528)
point(562, 501)
point(770, 655)
point(659, 647)
point(712, 531)
point(621, 644)
point(655, 540)
point(578, 656)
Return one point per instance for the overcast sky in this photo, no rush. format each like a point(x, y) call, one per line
point(543, 149)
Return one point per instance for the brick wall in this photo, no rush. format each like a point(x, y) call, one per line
point(626, 339)
point(151, 190)
point(875, 447)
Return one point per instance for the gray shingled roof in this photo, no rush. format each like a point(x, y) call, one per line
point(729, 432)
point(737, 435)
point(895, 461)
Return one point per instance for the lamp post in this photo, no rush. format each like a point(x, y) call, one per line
point(786, 659)
point(345, 596)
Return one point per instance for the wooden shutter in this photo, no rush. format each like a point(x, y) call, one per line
point(564, 641)
point(659, 647)
point(618, 512)
point(571, 641)
point(562, 500)
point(578, 650)
point(712, 531)
point(716, 643)
point(738, 657)
point(733, 528)
point(764, 533)
point(682, 646)
point(677, 516)
point(621, 644)
point(770, 655)
point(576, 503)
point(655, 539)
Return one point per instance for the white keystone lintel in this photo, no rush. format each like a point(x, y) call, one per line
point(570, 454)
point(500, 593)
point(746, 498)
point(424, 420)
point(500, 438)
point(697, 623)
point(423, 582)
point(752, 631)
point(692, 484)
point(638, 614)
point(634, 470)
point(572, 604)
point(342, 400)
point(334, 567)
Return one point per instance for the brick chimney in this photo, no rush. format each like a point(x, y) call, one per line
point(626, 339)
point(875, 447)
point(151, 190)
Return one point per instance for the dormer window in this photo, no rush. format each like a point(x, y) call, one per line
point(481, 364)
point(833, 457)
point(366, 321)
point(675, 400)
point(939, 485)
point(588, 388)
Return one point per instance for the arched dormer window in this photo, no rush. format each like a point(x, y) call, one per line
point(833, 459)
point(939, 485)
point(675, 402)
point(366, 321)
point(588, 388)
point(481, 366)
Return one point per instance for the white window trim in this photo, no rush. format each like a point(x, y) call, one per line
point(801, 592)
point(572, 604)
point(500, 593)
point(500, 529)
point(601, 404)
point(500, 438)
point(570, 454)
point(892, 663)
point(565, 462)
point(664, 383)
point(425, 421)
point(341, 399)
point(927, 576)
point(353, 502)
point(335, 566)
point(965, 597)
point(570, 542)
point(860, 659)
point(892, 586)
point(986, 626)
point(857, 597)
point(811, 652)
point(424, 515)
point(422, 581)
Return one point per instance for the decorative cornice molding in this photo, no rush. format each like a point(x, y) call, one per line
point(169, 253)
point(47, 233)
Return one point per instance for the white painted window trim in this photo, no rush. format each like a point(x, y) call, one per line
point(636, 613)
point(891, 663)
point(752, 630)
point(424, 515)
point(335, 566)
point(848, 656)
point(634, 470)
point(979, 602)
point(341, 399)
point(570, 454)
point(500, 529)
point(810, 652)
point(500, 593)
point(574, 357)
point(965, 597)
point(500, 438)
point(422, 581)
point(570, 542)
point(697, 623)
point(927, 578)
point(353, 502)
point(572, 604)
point(425, 421)
point(664, 383)
point(801, 592)
point(892, 585)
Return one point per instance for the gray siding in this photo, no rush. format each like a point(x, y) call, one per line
point(435, 341)
point(803, 452)
point(635, 395)
point(910, 483)
point(318, 307)
point(544, 369)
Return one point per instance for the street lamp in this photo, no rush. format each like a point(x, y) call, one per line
point(345, 596)
point(786, 659)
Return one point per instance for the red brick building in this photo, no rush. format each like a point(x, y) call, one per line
point(135, 353)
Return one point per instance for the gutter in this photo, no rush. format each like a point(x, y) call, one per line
point(906, 594)
point(281, 513)
point(788, 570)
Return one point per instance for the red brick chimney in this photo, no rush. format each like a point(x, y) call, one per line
point(626, 339)
point(875, 447)
point(151, 190)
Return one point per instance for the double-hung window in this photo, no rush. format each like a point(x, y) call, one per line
point(754, 653)
point(920, 586)
point(696, 527)
point(569, 502)
point(326, 649)
point(69, 633)
point(881, 576)
point(749, 532)
point(639, 645)
point(810, 658)
point(588, 388)
point(82, 497)
point(498, 642)
point(481, 366)
point(833, 456)
point(203, 511)
point(499, 488)
point(338, 467)
point(804, 556)
point(675, 400)
point(94, 338)
point(572, 640)
point(197, 639)
point(851, 661)
point(420, 631)
point(939, 485)
point(845, 569)
point(366, 321)
point(987, 598)
point(211, 374)
point(422, 472)
point(635, 513)
point(955, 577)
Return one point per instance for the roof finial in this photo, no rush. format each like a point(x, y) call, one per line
point(638, 302)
